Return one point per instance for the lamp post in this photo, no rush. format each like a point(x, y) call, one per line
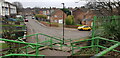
point(63, 22)
point(50, 16)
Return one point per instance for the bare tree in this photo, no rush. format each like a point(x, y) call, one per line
point(19, 6)
point(111, 7)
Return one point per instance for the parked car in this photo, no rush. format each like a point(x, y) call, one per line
point(84, 28)
point(26, 20)
point(33, 17)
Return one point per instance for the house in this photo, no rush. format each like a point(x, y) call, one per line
point(53, 14)
point(47, 11)
point(44, 11)
point(57, 16)
point(79, 14)
point(7, 8)
point(27, 11)
point(85, 16)
point(87, 22)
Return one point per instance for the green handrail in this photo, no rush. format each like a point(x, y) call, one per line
point(107, 50)
point(20, 42)
point(21, 55)
point(107, 39)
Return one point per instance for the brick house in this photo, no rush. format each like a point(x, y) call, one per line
point(85, 16)
point(57, 16)
point(87, 22)
point(79, 14)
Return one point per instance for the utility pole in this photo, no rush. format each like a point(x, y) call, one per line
point(63, 22)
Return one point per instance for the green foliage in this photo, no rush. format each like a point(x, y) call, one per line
point(41, 16)
point(67, 11)
point(108, 27)
point(69, 20)
point(4, 45)
point(112, 29)
point(79, 25)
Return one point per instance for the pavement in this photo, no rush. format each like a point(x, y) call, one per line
point(49, 52)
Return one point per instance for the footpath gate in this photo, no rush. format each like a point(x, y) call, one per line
point(97, 46)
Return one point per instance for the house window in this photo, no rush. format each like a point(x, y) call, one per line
point(55, 15)
point(55, 20)
point(61, 16)
point(61, 21)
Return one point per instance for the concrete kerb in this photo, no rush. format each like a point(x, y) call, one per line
point(40, 23)
point(54, 27)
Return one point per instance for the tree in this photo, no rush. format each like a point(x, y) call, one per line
point(19, 6)
point(67, 11)
point(69, 20)
point(111, 29)
point(111, 7)
point(36, 10)
point(41, 16)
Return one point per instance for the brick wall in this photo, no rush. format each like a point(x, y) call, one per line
point(58, 15)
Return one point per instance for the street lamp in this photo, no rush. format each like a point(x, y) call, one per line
point(63, 22)
point(50, 16)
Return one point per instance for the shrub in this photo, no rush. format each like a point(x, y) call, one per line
point(112, 29)
point(69, 20)
point(79, 25)
point(41, 16)
point(71, 26)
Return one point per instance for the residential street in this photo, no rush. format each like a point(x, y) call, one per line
point(34, 26)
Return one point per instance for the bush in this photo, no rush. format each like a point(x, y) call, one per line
point(79, 25)
point(41, 16)
point(55, 25)
point(71, 26)
point(50, 24)
point(69, 20)
point(112, 29)
point(46, 24)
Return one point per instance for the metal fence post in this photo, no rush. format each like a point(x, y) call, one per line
point(37, 48)
point(51, 42)
point(72, 48)
point(26, 51)
point(93, 31)
point(70, 44)
point(61, 45)
point(97, 49)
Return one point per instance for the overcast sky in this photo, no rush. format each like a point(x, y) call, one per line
point(49, 3)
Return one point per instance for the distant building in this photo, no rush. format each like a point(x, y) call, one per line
point(27, 11)
point(53, 14)
point(44, 11)
point(87, 22)
point(7, 8)
point(57, 16)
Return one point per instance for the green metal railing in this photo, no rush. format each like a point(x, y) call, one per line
point(26, 54)
point(34, 46)
point(97, 32)
point(42, 40)
point(37, 45)
point(96, 46)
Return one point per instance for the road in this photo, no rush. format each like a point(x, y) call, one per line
point(34, 26)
